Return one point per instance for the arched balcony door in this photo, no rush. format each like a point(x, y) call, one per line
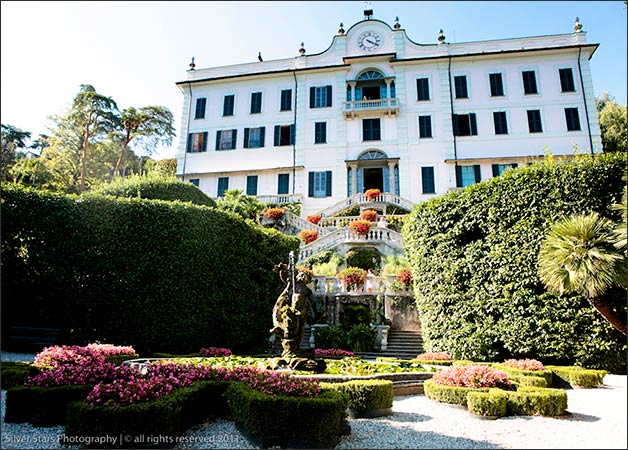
point(373, 170)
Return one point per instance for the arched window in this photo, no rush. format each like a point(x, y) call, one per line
point(372, 154)
point(371, 75)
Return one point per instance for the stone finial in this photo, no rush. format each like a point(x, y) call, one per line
point(441, 37)
point(192, 65)
point(259, 57)
point(302, 49)
point(577, 26)
point(396, 26)
point(341, 29)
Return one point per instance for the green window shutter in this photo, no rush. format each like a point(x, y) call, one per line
point(204, 146)
point(312, 97)
point(454, 123)
point(234, 139)
point(514, 165)
point(328, 183)
point(495, 169)
point(310, 187)
point(328, 96)
point(458, 176)
point(478, 173)
point(189, 144)
point(218, 136)
point(262, 136)
point(292, 133)
point(277, 134)
point(246, 137)
point(474, 125)
point(427, 180)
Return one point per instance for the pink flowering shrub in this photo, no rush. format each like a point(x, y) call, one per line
point(80, 374)
point(472, 376)
point(73, 354)
point(332, 352)
point(524, 364)
point(434, 356)
point(215, 351)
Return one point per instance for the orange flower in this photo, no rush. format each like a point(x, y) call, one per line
point(274, 213)
point(369, 214)
point(372, 194)
point(360, 227)
point(308, 236)
point(314, 218)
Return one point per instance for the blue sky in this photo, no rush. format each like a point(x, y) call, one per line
point(136, 51)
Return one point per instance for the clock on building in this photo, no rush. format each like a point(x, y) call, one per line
point(369, 41)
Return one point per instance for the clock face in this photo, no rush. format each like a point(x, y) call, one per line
point(369, 41)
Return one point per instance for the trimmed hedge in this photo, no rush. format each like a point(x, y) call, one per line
point(15, 373)
point(158, 421)
point(517, 374)
point(119, 359)
point(529, 381)
point(534, 401)
point(474, 253)
point(161, 276)
point(455, 395)
point(155, 188)
point(42, 406)
point(365, 394)
point(577, 377)
point(492, 403)
point(289, 421)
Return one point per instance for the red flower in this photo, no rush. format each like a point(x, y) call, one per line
point(314, 218)
point(405, 278)
point(353, 278)
point(308, 236)
point(274, 213)
point(369, 214)
point(360, 227)
point(372, 194)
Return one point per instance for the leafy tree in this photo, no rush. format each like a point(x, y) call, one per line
point(246, 206)
point(12, 139)
point(92, 115)
point(578, 256)
point(149, 126)
point(613, 124)
point(166, 167)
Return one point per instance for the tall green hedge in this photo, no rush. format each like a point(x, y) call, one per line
point(162, 276)
point(155, 188)
point(474, 260)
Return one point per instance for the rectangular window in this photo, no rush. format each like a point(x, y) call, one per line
point(425, 126)
point(227, 106)
point(319, 184)
point(371, 130)
point(256, 102)
point(427, 180)
point(460, 85)
point(566, 80)
point(534, 121)
point(529, 82)
point(465, 125)
point(497, 84)
point(197, 142)
point(254, 137)
point(223, 185)
point(498, 169)
point(284, 135)
point(468, 175)
point(226, 139)
point(195, 181)
point(201, 104)
point(286, 100)
point(573, 121)
point(422, 89)
point(251, 185)
point(320, 132)
point(499, 119)
point(320, 96)
point(283, 183)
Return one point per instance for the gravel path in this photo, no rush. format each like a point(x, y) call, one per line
point(597, 419)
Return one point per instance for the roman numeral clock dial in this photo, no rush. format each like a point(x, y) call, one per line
point(369, 41)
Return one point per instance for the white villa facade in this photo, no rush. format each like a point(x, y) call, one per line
point(377, 110)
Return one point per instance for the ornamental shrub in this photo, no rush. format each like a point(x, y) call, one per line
point(215, 351)
point(434, 356)
point(154, 187)
point(331, 337)
point(274, 213)
point(492, 403)
point(165, 276)
point(367, 258)
point(308, 236)
point(365, 394)
point(369, 214)
point(362, 338)
point(360, 227)
point(332, 352)
point(524, 364)
point(352, 278)
point(404, 278)
point(472, 376)
point(474, 252)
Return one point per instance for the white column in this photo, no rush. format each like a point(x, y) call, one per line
point(354, 179)
point(391, 176)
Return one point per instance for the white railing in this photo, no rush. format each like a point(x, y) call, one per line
point(302, 224)
point(342, 221)
point(282, 198)
point(376, 235)
point(371, 105)
point(375, 285)
point(362, 199)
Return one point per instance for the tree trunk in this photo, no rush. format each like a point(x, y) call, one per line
point(613, 317)
point(123, 154)
point(84, 161)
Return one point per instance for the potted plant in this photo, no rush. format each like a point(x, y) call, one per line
point(369, 214)
point(404, 277)
point(360, 227)
point(314, 218)
point(352, 278)
point(274, 213)
point(308, 236)
point(372, 194)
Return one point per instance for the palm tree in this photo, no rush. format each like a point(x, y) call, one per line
point(578, 256)
point(620, 230)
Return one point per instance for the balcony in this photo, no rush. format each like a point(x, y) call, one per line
point(387, 106)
